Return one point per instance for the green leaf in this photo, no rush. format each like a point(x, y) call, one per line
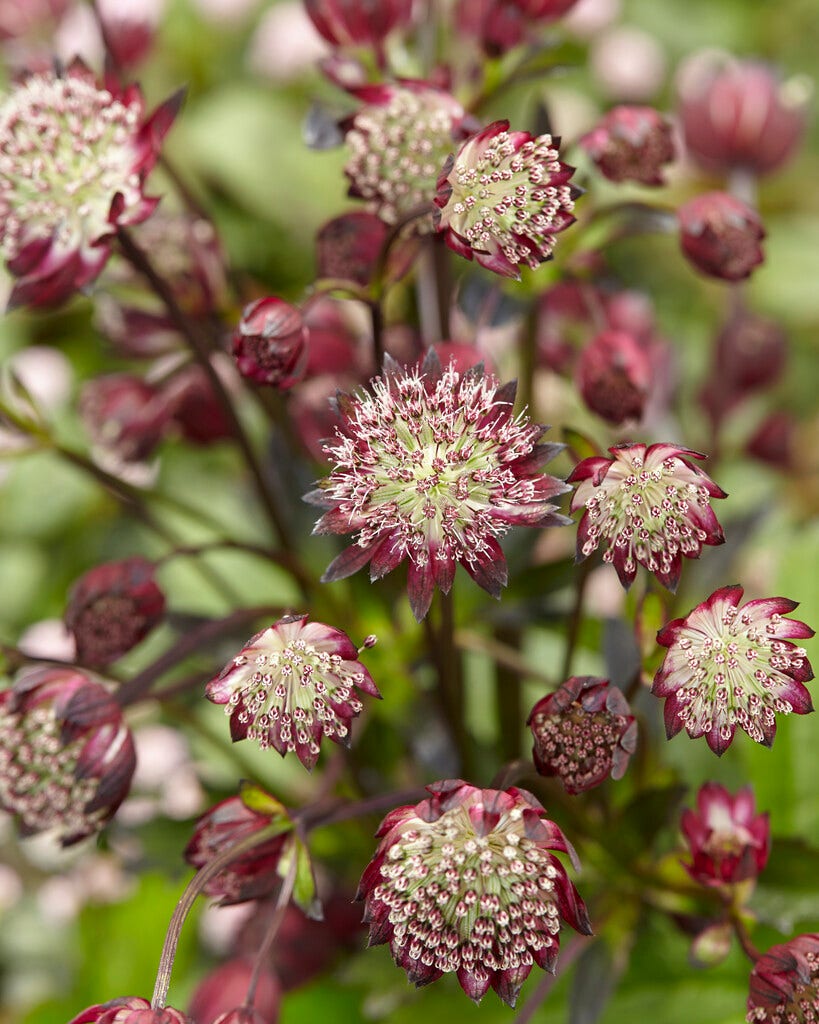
point(304, 887)
point(580, 445)
point(259, 800)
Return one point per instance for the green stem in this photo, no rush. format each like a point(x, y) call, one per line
point(508, 698)
point(575, 619)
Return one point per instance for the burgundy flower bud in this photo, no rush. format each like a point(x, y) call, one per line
point(222, 994)
point(124, 414)
point(583, 733)
point(192, 406)
point(544, 10)
point(112, 608)
point(348, 247)
point(252, 874)
point(464, 882)
point(130, 29)
point(498, 25)
point(614, 376)
point(631, 144)
point(270, 343)
point(750, 352)
point(721, 235)
point(739, 114)
point(358, 22)
point(729, 842)
point(130, 1010)
point(773, 441)
point(784, 984)
point(66, 755)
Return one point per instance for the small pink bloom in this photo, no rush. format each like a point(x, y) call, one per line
point(112, 608)
point(583, 732)
point(270, 343)
point(66, 755)
point(729, 841)
point(433, 466)
point(130, 1010)
point(614, 375)
point(60, 209)
point(650, 506)
point(631, 144)
point(358, 22)
point(292, 684)
point(503, 197)
point(784, 985)
point(720, 235)
point(130, 28)
point(464, 882)
point(729, 666)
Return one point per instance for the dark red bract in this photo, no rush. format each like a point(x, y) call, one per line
point(631, 144)
point(721, 235)
point(270, 343)
point(784, 986)
point(130, 1010)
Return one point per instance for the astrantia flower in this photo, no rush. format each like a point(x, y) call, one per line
point(721, 236)
point(784, 985)
point(730, 666)
point(291, 684)
point(74, 156)
point(649, 505)
point(66, 756)
point(270, 343)
point(631, 144)
point(361, 22)
point(399, 141)
point(251, 875)
point(433, 466)
point(729, 841)
point(130, 1010)
point(583, 732)
point(503, 197)
point(464, 882)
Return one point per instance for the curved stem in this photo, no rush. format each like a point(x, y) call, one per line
point(743, 937)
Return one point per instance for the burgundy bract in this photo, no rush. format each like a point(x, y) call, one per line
point(111, 608)
point(270, 343)
point(731, 666)
point(784, 987)
point(721, 235)
point(631, 144)
point(358, 22)
point(583, 733)
point(66, 755)
point(130, 1010)
point(348, 247)
point(728, 840)
point(614, 374)
point(464, 882)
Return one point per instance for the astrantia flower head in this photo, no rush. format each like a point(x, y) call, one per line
point(503, 197)
point(729, 841)
point(292, 684)
point(721, 236)
point(66, 756)
point(130, 1010)
point(650, 506)
point(433, 466)
point(74, 156)
point(358, 22)
point(729, 666)
point(631, 144)
point(583, 732)
point(784, 985)
point(464, 882)
point(399, 141)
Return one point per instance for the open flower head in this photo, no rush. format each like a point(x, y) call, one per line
point(130, 1010)
point(583, 733)
point(503, 197)
point(74, 156)
point(399, 140)
point(784, 985)
point(728, 840)
point(649, 506)
point(433, 466)
point(464, 882)
point(730, 666)
point(66, 756)
point(292, 684)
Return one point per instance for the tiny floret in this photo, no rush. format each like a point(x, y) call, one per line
point(464, 882)
point(650, 506)
point(292, 684)
point(433, 466)
point(732, 666)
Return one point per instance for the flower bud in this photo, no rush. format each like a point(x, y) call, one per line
point(130, 28)
point(270, 343)
point(66, 756)
point(784, 983)
point(614, 376)
point(348, 247)
point(130, 1010)
point(124, 414)
point(112, 608)
point(729, 842)
point(773, 441)
point(721, 235)
point(192, 406)
point(358, 22)
point(750, 352)
point(222, 994)
point(631, 144)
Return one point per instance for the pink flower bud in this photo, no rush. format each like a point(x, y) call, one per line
point(729, 842)
point(614, 376)
point(193, 408)
point(784, 984)
point(358, 22)
point(221, 995)
point(348, 247)
point(130, 28)
point(130, 1010)
point(270, 343)
point(631, 144)
point(721, 235)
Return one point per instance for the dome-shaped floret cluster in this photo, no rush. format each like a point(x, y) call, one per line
point(66, 756)
point(503, 197)
point(650, 506)
point(583, 732)
point(73, 159)
point(292, 684)
point(784, 985)
point(464, 882)
point(433, 466)
point(729, 841)
point(399, 141)
point(730, 666)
